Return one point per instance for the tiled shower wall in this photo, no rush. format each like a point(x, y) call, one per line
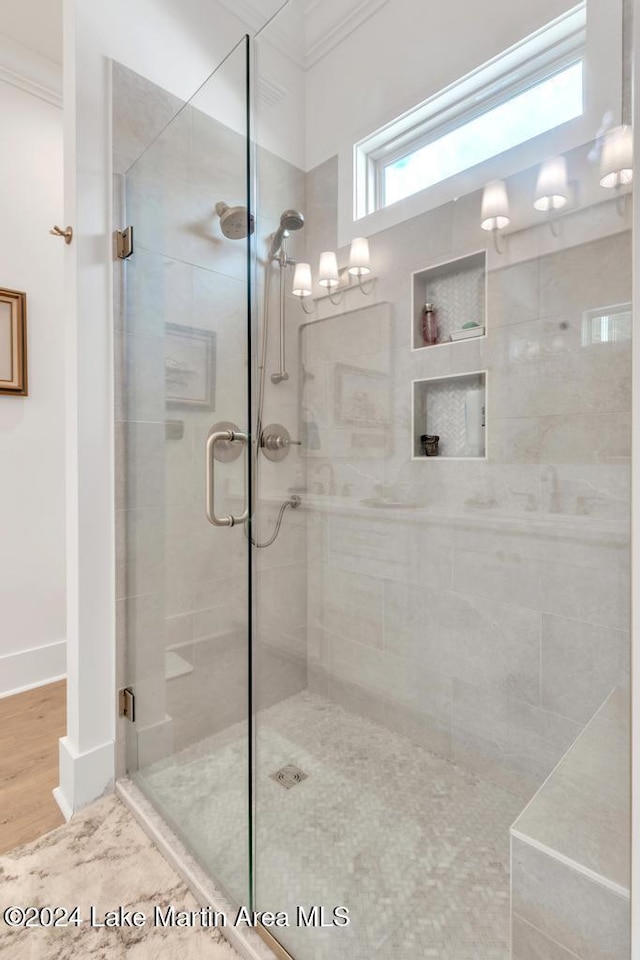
point(489, 619)
point(182, 584)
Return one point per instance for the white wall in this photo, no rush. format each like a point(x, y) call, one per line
point(32, 557)
point(407, 51)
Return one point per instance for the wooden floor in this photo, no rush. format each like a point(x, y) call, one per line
point(30, 725)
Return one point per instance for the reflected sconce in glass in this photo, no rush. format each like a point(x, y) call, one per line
point(329, 276)
point(495, 210)
point(302, 283)
point(552, 189)
point(334, 281)
point(616, 165)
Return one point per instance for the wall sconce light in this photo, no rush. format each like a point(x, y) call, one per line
point(302, 283)
point(552, 189)
point(495, 210)
point(616, 165)
point(360, 262)
point(334, 281)
point(329, 276)
point(360, 258)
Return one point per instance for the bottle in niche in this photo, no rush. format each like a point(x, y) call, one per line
point(429, 325)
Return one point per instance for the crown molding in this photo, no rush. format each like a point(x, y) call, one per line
point(248, 11)
point(331, 26)
point(30, 72)
point(325, 21)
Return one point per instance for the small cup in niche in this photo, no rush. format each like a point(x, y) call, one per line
point(429, 445)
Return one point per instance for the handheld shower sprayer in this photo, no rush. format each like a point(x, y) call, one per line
point(290, 221)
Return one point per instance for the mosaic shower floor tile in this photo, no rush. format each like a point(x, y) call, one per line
point(414, 846)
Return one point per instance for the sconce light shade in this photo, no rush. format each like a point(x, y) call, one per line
point(302, 280)
point(495, 206)
point(552, 190)
point(328, 270)
point(360, 260)
point(617, 158)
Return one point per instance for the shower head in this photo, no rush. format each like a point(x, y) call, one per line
point(289, 221)
point(235, 222)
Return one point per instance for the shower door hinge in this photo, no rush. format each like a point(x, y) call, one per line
point(127, 704)
point(124, 243)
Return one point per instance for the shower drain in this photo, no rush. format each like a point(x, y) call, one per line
point(289, 776)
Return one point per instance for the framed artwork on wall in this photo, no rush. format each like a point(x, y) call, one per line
point(190, 366)
point(13, 343)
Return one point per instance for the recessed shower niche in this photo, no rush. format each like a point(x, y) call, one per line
point(449, 417)
point(457, 289)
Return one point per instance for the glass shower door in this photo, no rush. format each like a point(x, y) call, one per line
point(441, 653)
point(182, 356)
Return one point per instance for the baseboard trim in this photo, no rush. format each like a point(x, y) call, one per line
point(59, 798)
point(84, 777)
point(29, 669)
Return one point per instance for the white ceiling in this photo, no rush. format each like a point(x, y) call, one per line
point(36, 24)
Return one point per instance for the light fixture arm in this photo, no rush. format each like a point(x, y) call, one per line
point(622, 201)
point(366, 286)
point(554, 225)
point(496, 242)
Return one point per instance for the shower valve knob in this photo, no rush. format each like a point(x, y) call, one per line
point(280, 443)
point(275, 442)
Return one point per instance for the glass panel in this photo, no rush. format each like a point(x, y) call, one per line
point(182, 358)
point(443, 624)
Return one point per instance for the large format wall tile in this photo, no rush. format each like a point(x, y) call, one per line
point(587, 918)
point(505, 740)
point(581, 663)
point(514, 293)
point(494, 645)
point(470, 605)
point(139, 552)
point(185, 272)
point(528, 943)
point(594, 595)
point(583, 811)
point(139, 447)
point(141, 110)
point(585, 277)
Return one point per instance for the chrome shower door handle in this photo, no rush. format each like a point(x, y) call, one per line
point(231, 437)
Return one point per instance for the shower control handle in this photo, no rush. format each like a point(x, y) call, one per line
point(229, 436)
point(275, 442)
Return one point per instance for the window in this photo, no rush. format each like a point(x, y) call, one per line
point(543, 107)
point(529, 90)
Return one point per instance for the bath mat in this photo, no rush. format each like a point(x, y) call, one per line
point(102, 858)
